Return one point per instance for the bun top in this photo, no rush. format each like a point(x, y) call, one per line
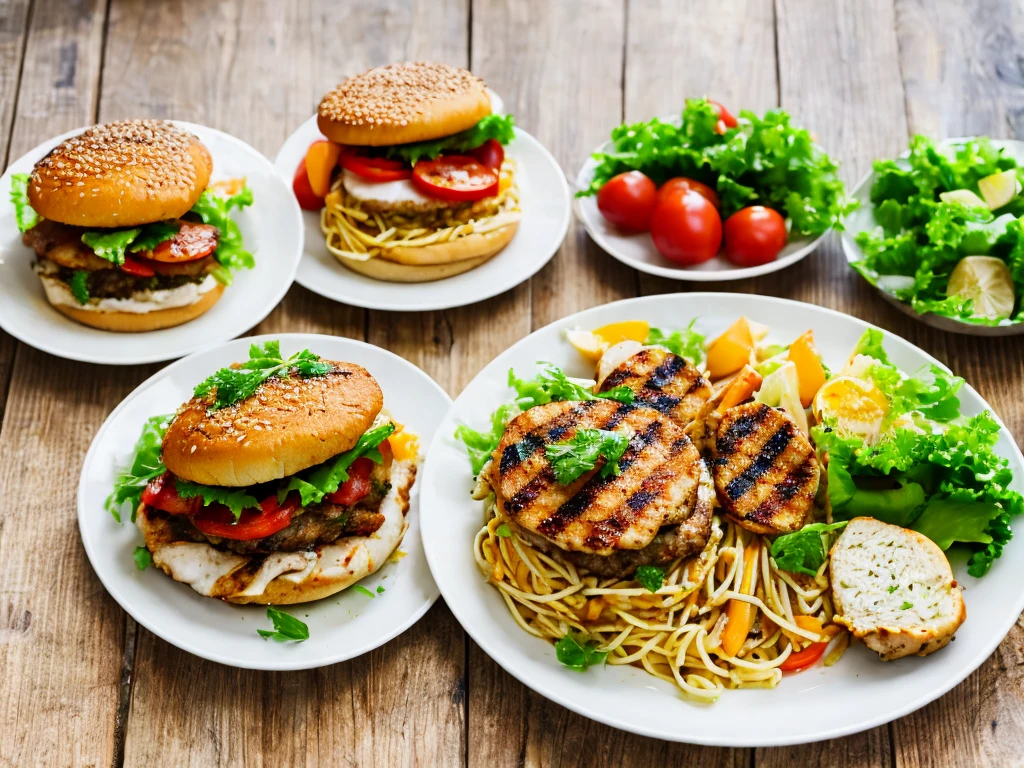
point(288, 425)
point(402, 103)
point(121, 174)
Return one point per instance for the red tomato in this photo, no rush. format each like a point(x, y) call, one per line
point(308, 201)
point(162, 493)
point(686, 228)
point(682, 184)
point(137, 267)
point(490, 154)
point(373, 168)
point(628, 201)
point(725, 117)
point(754, 236)
point(193, 241)
point(801, 660)
point(271, 517)
point(357, 486)
point(455, 177)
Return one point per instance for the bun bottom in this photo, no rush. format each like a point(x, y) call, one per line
point(132, 322)
point(426, 263)
point(282, 578)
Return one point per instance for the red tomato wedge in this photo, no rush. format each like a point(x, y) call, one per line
point(490, 154)
point(455, 177)
point(321, 159)
point(308, 201)
point(217, 520)
point(137, 267)
point(193, 241)
point(357, 487)
point(162, 494)
point(801, 660)
point(726, 119)
point(373, 168)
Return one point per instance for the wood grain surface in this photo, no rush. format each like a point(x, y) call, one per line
point(82, 684)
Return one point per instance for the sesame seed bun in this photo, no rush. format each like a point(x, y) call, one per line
point(121, 174)
point(433, 262)
point(401, 103)
point(139, 322)
point(288, 425)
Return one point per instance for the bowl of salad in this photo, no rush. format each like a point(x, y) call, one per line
point(939, 233)
point(706, 195)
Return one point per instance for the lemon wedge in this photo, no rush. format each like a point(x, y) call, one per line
point(857, 405)
point(987, 280)
point(592, 344)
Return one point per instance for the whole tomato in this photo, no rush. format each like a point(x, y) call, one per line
point(686, 228)
point(754, 236)
point(628, 200)
point(681, 184)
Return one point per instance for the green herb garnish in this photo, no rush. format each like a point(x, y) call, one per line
point(154, 234)
point(498, 127)
point(687, 343)
point(803, 551)
point(79, 284)
point(576, 652)
point(111, 245)
point(143, 559)
point(236, 499)
point(906, 605)
point(286, 627)
point(572, 458)
point(503, 531)
point(651, 577)
point(364, 591)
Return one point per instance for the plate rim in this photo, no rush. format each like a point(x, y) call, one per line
point(471, 626)
point(287, 666)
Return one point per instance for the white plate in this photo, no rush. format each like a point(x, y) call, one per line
point(340, 627)
point(545, 203)
point(863, 219)
point(858, 693)
point(271, 228)
point(637, 249)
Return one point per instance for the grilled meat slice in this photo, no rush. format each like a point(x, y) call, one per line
point(765, 469)
point(662, 380)
point(657, 483)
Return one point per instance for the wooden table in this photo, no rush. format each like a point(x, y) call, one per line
point(81, 683)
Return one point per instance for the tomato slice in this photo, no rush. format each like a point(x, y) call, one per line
point(193, 241)
point(455, 177)
point(308, 201)
point(490, 154)
point(801, 660)
point(358, 485)
point(162, 493)
point(271, 517)
point(137, 267)
point(373, 168)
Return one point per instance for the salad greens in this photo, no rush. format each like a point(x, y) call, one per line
point(572, 458)
point(803, 551)
point(497, 127)
point(921, 238)
point(688, 343)
point(762, 161)
point(146, 465)
point(24, 214)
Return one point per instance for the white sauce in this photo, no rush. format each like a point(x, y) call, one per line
point(198, 565)
point(383, 191)
point(139, 304)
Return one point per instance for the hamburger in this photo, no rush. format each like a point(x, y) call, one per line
point(128, 235)
point(412, 178)
point(281, 481)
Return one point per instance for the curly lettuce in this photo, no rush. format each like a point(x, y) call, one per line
point(497, 127)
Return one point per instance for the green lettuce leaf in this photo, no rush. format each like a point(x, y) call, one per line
point(24, 214)
point(552, 385)
point(231, 254)
point(154, 234)
point(687, 343)
point(146, 465)
point(236, 499)
point(111, 245)
point(481, 445)
point(803, 551)
point(498, 127)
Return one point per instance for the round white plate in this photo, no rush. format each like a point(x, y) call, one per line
point(858, 693)
point(637, 249)
point(863, 219)
point(271, 228)
point(545, 203)
point(340, 627)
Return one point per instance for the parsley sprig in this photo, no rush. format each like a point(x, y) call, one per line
point(803, 551)
point(577, 652)
point(572, 458)
point(234, 384)
point(651, 577)
point(286, 627)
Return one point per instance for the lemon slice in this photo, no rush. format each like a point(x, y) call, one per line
point(987, 280)
point(592, 344)
point(857, 406)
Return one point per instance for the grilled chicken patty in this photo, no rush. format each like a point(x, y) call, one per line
point(657, 484)
point(765, 469)
point(664, 381)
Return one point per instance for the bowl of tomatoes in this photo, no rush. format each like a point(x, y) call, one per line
point(710, 196)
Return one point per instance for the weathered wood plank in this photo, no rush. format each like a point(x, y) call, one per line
point(60, 635)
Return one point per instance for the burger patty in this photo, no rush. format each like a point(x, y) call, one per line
point(434, 214)
point(115, 284)
point(664, 381)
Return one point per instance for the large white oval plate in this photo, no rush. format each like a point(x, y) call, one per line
point(271, 228)
point(858, 693)
point(340, 627)
point(545, 202)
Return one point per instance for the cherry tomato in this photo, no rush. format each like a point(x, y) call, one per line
point(686, 228)
point(628, 201)
point(137, 267)
point(490, 154)
point(193, 241)
point(321, 159)
point(373, 168)
point(308, 201)
point(801, 660)
point(161, 493)
point(271, 517)
point(754, 236)
point(455, 177)
point(725, 117)
point(682, 184)
point(357, 486)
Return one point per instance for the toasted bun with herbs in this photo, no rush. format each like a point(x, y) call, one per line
point(282, 578)
point(288, 424)
point(121, 174)
point(139, 322)
point(403, 103)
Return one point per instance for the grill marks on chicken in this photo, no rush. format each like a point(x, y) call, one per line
point(663, 381)
point(765, 469)
point(656, 486)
